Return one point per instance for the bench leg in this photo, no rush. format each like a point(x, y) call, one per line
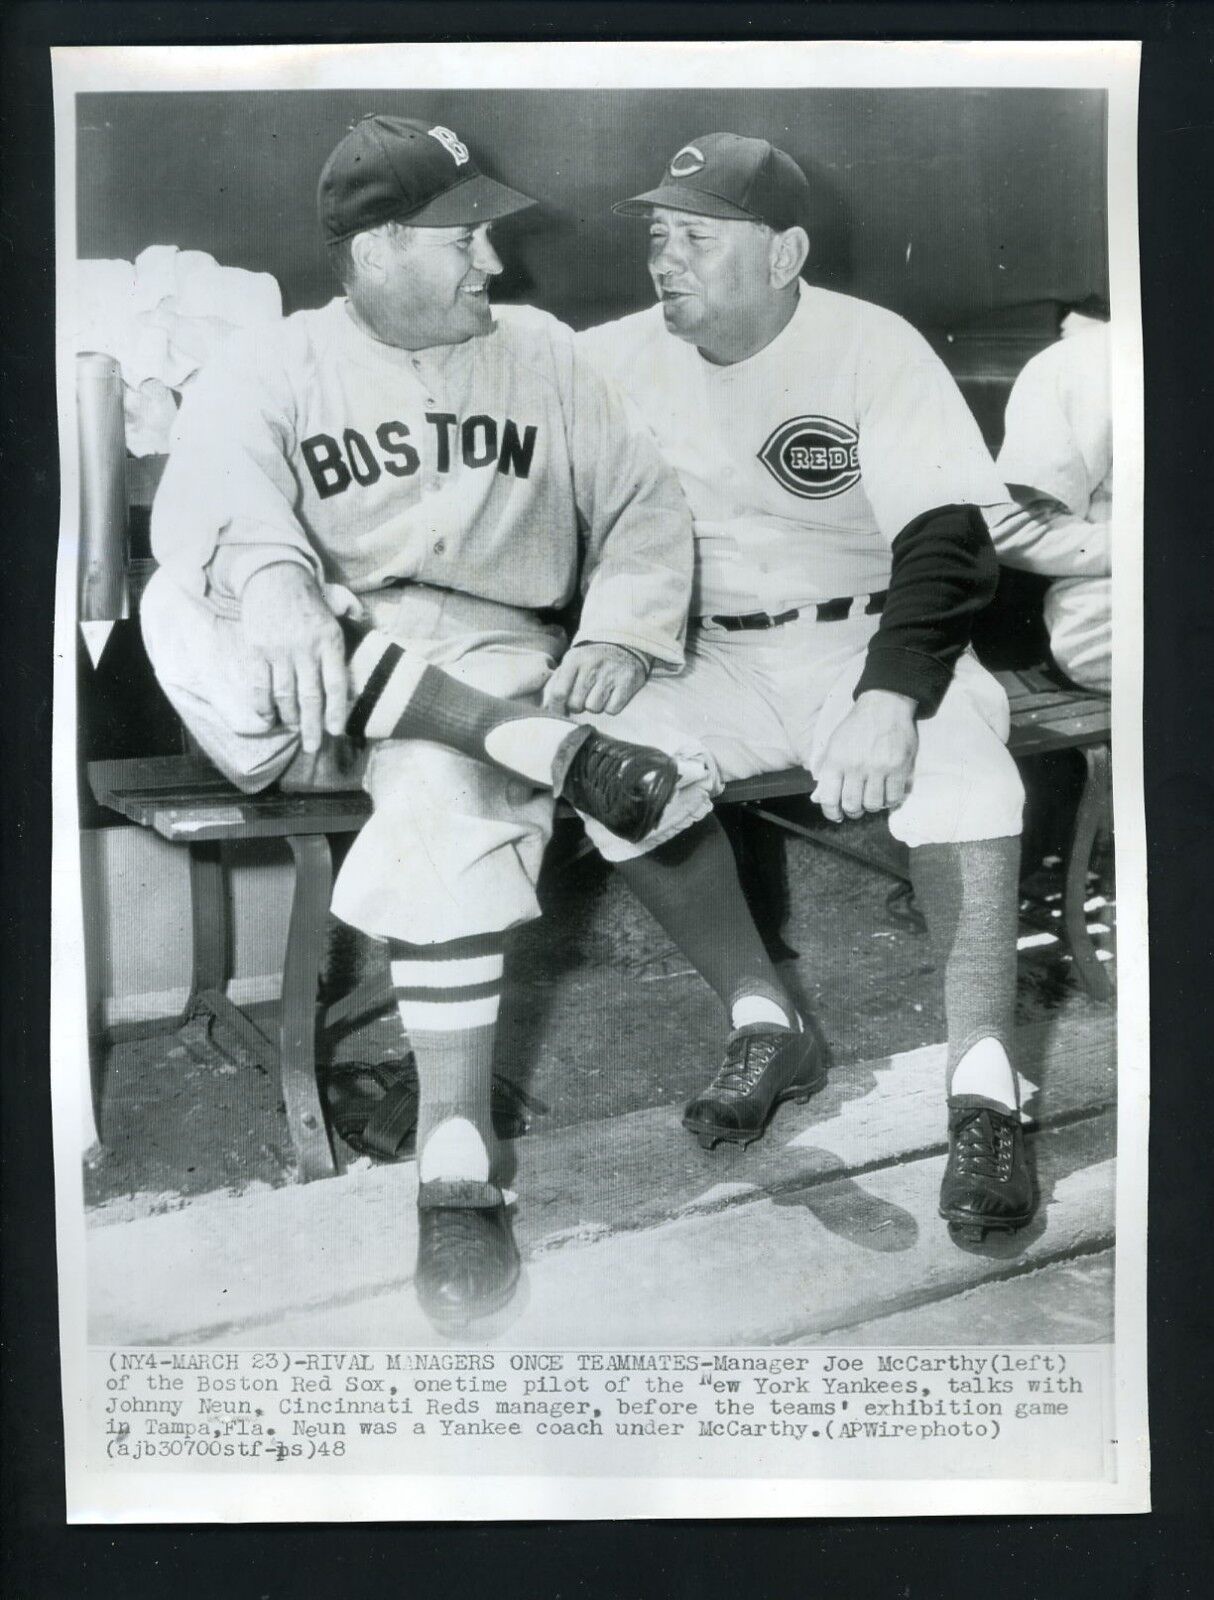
point(372, 996)
point(211, 958)
point(300, 984)
point(209, 920)
point(1090, 817)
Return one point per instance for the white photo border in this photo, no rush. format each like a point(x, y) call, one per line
point(1111, 66)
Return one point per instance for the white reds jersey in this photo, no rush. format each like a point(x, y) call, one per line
point(502, 467)
point(803, 463)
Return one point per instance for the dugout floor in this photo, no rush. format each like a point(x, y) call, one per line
point(824, 1231)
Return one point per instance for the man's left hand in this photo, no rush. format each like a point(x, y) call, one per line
point(595, 677)
point(868, 759)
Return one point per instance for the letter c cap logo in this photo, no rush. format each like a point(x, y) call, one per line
point(687, 161)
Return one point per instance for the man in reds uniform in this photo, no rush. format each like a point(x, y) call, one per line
point(445, 484)
point(834, 475)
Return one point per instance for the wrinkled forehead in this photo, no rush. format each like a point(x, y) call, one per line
point(448, 233)
point(670, 217)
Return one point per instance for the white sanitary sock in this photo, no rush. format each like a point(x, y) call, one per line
point(455, 1150)
point(985, 1070)
point(529, 746)
point(757, 1008)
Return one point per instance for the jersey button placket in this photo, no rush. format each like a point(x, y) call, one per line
point(416, 363)
point(430, 480)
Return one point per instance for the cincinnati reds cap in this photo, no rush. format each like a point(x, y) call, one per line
point(401, 169)
point(726, 175)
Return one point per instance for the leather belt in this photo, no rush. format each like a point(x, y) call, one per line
point(837, 610)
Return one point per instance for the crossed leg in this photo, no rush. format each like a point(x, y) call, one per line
point(961, 821)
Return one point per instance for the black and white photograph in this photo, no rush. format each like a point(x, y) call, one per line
point(599, 928)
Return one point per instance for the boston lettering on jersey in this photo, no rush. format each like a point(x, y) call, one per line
point(334, 464)
point(813, 457)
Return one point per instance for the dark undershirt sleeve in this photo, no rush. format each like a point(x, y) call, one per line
point(944, 573)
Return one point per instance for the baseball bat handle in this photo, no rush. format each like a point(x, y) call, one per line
point(103, 496)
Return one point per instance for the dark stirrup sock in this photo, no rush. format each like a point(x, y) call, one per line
point(690, 886)
point(969, 894)
point(399, 696)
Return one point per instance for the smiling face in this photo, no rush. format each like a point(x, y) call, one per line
point(713, 277)
point(418, 287)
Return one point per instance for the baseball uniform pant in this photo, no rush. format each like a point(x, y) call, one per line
point(758, 701)
point(453, 846)
point(1079, 617)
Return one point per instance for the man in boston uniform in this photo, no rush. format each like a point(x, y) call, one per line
point(379, 507)
point(835, 477)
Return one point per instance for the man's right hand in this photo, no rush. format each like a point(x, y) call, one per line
point(299, 657)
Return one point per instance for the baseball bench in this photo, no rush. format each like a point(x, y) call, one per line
point(187, 802)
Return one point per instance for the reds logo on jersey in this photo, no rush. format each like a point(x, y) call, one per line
point(813, 457)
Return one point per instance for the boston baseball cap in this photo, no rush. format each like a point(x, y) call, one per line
point(401, 169)
point(726, 175)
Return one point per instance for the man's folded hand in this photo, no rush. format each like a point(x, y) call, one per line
point(299, 656)
point(595, 678)
point(869, 758)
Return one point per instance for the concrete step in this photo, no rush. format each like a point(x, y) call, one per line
point(1066, 1302)
point(327, 1253)
point(811, 1263)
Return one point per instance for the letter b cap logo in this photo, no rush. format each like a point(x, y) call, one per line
point(451, 143)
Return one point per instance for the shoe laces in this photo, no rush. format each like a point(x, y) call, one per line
point(746, 1060)
point(984, 1143)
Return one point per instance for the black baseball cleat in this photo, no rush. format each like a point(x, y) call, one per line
point(626, 787)
point(763, 1066)
point(467, 1260)
point(987, 1185)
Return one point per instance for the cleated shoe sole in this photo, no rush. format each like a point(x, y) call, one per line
point(625, 787)
point(966, 1231)
point(711, 1136)
point(763, 1068)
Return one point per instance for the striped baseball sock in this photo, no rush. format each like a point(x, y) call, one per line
point(400, 696)
point(448, 997)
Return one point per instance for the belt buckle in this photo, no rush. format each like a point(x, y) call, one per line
point(756, 619)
